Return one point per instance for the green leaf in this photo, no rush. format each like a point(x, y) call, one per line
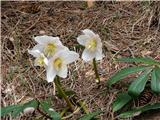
point(124, 72)
point(155, 80)
point(145, 60)
point(15, 110)
point(138, 111)
point(8, 109)
point(21, 108)
point(121, 100)
point(90, 116)
point(138, 85)
point(46, 108)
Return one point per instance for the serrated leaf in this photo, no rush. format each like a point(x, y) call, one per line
point(145, 60)
point(138, 111)
point(124, 72)
point(121, 100)
point(20, 109)
point(139, 83)
point(90, 116)
point(155, 80)
point(46, 108)
point(8, 109)
point(15, 110)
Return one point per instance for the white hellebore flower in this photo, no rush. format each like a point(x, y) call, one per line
point(57, 65)
point(48, 45)
point(93, 45)
point(40, 60)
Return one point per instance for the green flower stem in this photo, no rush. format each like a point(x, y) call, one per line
point(61, 91)
point(96, 71)
point(83, 106)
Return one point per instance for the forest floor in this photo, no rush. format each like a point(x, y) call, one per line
point(127, 29)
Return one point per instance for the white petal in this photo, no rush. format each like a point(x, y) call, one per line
point(51, 73)
point(87, 55)
point(38, 47)
point(61, 47)
point(46, 61)
point(99, 54)
point(35, 53)
point(82, 39)
point(63, 72)
point(89, 32)
point(47, 39)
point(69, 56)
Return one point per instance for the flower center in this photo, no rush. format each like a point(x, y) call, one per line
point(50, 49)
point(40, 61)
point(91, 45)
point(57, 63)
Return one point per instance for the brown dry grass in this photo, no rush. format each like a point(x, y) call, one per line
point(126, 29)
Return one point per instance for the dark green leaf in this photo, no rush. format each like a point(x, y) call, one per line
point(155, 80)
point(15, 110)
point(46, 108)
point(124, 72)
point(121, 100)
point(138, 85)
point(90, 116)
point(138, 111)
point(18, 110)
point(145, 60)
point(8, 109)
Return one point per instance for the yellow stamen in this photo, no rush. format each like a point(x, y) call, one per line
point(50, 49)
point(40, 61)
point(91, 45)
point(57, 63)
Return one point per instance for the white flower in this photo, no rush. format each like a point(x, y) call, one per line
point(40, 60)
point(93, 45)
point(48, 45)
point(57, 65)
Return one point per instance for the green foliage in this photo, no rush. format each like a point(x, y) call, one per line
point(139, 84)
point(46, 108)
point(151, 67)
point(124, 72)
point(155, 80)
point(121, 100)
point(90, 116)
point(145, 60)
point(139, 110)
point(15, 110)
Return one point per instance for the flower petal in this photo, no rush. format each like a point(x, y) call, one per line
point(51, 73)
point(82, 39)
point(35, 53)
point(63, 72)
point(38, 47)
point(69, 56)
point(99, 54)
point(87, 55)
point(88, 32)
point(47, 39)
